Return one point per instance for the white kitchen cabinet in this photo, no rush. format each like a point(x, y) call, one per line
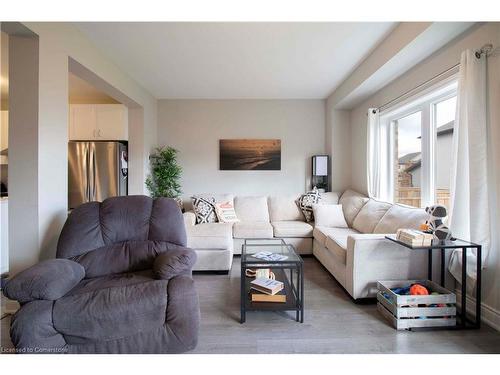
point(82, 122)
point(98, 122)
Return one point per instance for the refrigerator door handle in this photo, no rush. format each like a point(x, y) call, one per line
point(92, 169)
point(87, 172)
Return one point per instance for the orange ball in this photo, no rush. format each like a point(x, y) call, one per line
point(424, 227)
point(418, 290)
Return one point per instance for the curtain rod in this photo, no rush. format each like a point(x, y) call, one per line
point(486, 50)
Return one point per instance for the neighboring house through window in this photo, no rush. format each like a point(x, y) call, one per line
point(418, 136)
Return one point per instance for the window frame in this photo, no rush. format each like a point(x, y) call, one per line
point(424, 102)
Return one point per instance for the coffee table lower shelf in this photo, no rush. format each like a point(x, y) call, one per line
point(293, 303)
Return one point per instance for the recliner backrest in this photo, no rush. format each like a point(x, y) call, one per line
point(119, 219)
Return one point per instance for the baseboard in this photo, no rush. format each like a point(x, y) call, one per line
point(489, 315)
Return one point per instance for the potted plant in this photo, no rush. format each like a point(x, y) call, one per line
point(163, 180)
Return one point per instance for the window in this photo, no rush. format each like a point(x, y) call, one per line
point(418, 141)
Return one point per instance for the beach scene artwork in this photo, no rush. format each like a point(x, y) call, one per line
point(250, 154)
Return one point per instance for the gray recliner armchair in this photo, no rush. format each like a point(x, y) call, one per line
point(121, 283)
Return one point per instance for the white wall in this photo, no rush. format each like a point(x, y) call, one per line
point(194, 127)
point(57, 43)
point(338, 146)
point(447, 57)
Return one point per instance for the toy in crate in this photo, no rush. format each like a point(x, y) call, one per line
point(416, 304)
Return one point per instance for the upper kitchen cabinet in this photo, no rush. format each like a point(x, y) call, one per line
point(105, 122)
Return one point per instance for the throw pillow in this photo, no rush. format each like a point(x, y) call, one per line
point(225, 212)
point(329, 215)
point(204, 209)
point(306, 201)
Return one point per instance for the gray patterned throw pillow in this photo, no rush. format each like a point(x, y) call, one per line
point(306, 201)
point(204, 210)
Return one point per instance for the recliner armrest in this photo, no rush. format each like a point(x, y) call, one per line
point(47, 280)
point(179, 261)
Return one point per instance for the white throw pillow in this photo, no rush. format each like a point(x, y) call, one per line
point(329, 215)
point(225, 212)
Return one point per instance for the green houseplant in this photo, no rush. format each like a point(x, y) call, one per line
point(163, 180)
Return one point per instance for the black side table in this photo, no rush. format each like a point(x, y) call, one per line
point(465, 246)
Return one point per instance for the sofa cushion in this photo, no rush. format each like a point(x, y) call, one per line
point(330, 197)
point(251, 209)
point(352, 202)
point(204, 209)
point(370, 215)
point(322, 233)
point(338, 247)
point(225, 212)
point(210, 236)
point(329, 215)
point(284, 208)
point(306, 201)
point(292, 229)
point(399, 216)
point(252, 230)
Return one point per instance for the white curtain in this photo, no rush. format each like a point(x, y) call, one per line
point(470, 216)
point(373, 153)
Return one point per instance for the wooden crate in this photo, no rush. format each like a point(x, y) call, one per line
point(412, 311)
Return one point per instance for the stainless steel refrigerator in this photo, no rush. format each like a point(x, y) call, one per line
point(96, 171)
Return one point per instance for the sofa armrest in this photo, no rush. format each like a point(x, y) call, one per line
point(371, 258)
point(47, 280)
point(175, 262)
point(189, 218)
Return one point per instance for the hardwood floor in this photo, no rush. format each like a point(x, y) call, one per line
point(333, 323)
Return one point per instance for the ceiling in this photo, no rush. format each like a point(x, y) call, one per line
point(237, 60)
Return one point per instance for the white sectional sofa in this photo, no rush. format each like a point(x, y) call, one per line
point(357, 256)
point(260, 218)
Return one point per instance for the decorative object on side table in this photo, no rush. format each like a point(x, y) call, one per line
point(320, 172)
point(434, 223)
point(165, 174)
point(287, 274)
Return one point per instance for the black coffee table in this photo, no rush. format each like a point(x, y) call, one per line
point(290, 271)
point(444, 245)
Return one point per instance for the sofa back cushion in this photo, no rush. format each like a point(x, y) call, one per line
point(222, 197)
point(329, 215)
point(399, 216)
point(284, 208)
point(331, 197)
point(369, 216)
point(352, 202)
point(251, 209)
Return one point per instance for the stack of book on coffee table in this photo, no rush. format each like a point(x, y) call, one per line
point(267, 290)
point(414, 238)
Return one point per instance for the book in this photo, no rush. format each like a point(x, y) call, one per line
point(262, 297)
point(266, 286)
point(414, 238)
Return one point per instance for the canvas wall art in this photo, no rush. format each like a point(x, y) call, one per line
point(250, 154)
